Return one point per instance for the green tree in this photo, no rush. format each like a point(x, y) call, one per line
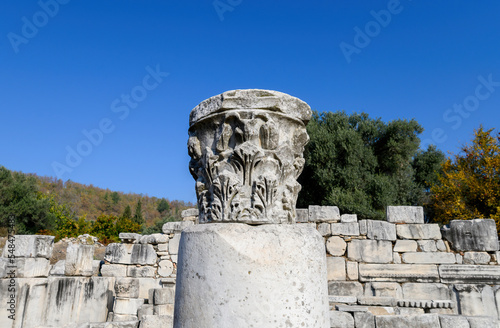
point(115, 197)
point(163, 205)
point(361, 164)
point(138, 218)
point(127, 213)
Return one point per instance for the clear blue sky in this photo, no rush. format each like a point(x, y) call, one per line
point(84, 65)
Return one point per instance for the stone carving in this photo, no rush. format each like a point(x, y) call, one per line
point(246, 154)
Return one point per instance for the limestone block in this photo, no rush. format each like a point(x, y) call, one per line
point(189, 212)
point(351, 308)
point(324, 229)
point(145, 309)
point(410, 321)
point(441, 246)
point(176, 226)
point(383, 289)
point(476, 258)
point(472, 235)
point(324, 213)
point(428, 258)
point(96, 267)
point(398, 272)
point(165, 268)
point(411, 311)
point(426, 291)
point(364, 320)
point(363, 227)
point(382, 310)
point(345, 288)
point(335, 267)
point(160, 296)
point(156, 238)
point(143, 254)
point(163, 309)
point(124, 317)
point(405, 214)
point(121, 324)
point(380, 230)
point(58, 268)
point(127, 288)
point(377, 301)
point(396, 258)
point(114, 270)
point(141, 271)
point(418, 231)
point(345, 229)
point(482, 322)
point(474, 274)
point(336, 246)
point(173, 244)
point(174, 258)
point(79, 260)
point(129, 237)
point(450, 311)
point(405, 246)
point(29, 246)
point(302, 215)
point(225, 268)
point(370, 251)
point(340, 319)
point(145, 284)
point(346, 218)
point(427, 245)
point(459, 258)
point(342, 299)
point(453, 321)
point(476, 300)
point(157, 321)
point(127, 305)
point(29, 267)
point(163, 248)
point(352, 270)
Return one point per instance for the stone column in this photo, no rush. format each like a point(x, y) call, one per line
point(247, 264)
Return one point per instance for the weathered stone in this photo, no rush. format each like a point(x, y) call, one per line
point(176, 226)
point(340, 319)
point(58, 268)
point(141, 271)
point(29, 246)
point(428, 258)
point(127, 305)
point(143, 310)
point(472, 235)
point(324, 229)
point(352, 270)
point(398, 272)
point(160, 296)
point(382, 310)
point(345, 229)
point(246, 153)
point(410, 311)
point(114, 270)
point(143, 254)
point(364, 320)
point(165, 268)
point(124, 317)
point(474, 274)
point(425, 304)
point(405, 246)
point(324, 213)
point(396, 258)
point(79, 260)
point(482, 322)
point(476, 300)
point(459, 258)
point(441, 246)
point(377, 301)
point(336, 246)
point(345, 218)
point(380, 230)
point(157, 321)
point(427, 291)
point(427, 245)
point(476, 258)
point(383, 289)
point(370, 251)
point(453, 321)
point(233, 265)
point(29, 267)
point(345, 288)
point(162, 248)
point(127, 287)
point(129, 237)
point(418, 231)
point(302, 215)
point(145, 284)
point(351, 308)
point(173, 244)
point(189, 212)
point(335, 267)
point(405, 214)
point(410, 321)
point(163, 309)
point(156, 238)
point(363, 227)
point(342, 299)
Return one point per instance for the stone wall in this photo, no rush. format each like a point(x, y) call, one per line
point(380, 274)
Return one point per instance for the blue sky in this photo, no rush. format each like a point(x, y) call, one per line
point(102, 90)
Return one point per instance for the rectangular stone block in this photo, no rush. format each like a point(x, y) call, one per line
point(141, 271)
point(405, 214)
point(335, 267)
point(377, 301)
point(114, 270)
point(410, 321)
point(127, 305)
point(370, 251)
point(340, 319)
point(163, 309)
point(482, 322)
point(427, 245)
point(29, 267)
point(476, 300)
point(143, 254)
point(324, 229)
point(426, 291)
point(324, 213)
point(157, 321)
point(145, 284)
point(29, 246)
point(345, 218)
point(383, 289)
point(342, 299)
point(472, 235)
point(302, 215)
point(405, 246)
point(453, 321)
point(176, 226)
point(364, 320)
point(160, 296)
point(127, 288)
point(129, 237)
point(173, 244)
point(190, 212)
point(345, 229)
point(345, 288)
point(470, 274)
point(428, 258)
point(155, 239)
point(476, 258)
point(79, 260)
point(418, 231)
point(352, 270)
point(380, 230)
point(398, 272)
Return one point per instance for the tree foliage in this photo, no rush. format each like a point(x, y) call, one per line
point(469, 185)
point(362, 164)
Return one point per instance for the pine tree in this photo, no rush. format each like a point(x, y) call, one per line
point(138, 218)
